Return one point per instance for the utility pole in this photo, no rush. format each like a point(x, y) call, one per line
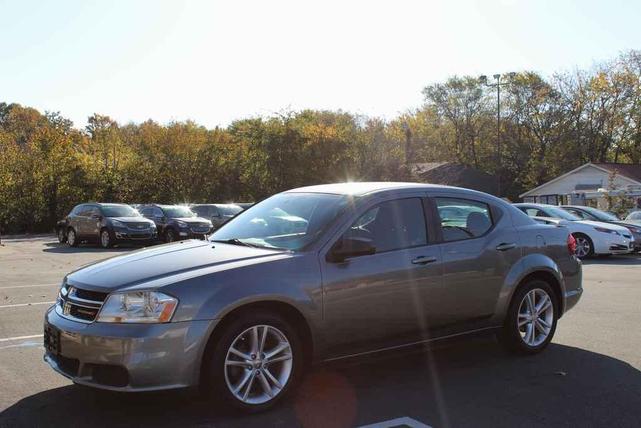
point(497, 84)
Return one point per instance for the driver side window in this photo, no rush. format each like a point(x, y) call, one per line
point(392, 225)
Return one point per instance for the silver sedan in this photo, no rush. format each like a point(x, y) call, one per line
point(309, 275)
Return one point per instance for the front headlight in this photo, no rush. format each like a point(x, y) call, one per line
point(138, 307)
point(182, 224)
point(116, 223)
point(604, 230)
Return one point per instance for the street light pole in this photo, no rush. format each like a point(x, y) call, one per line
point(497, 85)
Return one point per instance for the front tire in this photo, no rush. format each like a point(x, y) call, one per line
point(72, 238)
point(170, 235)
point(105, 239)
point(61, 236)
point(254, 363)
point(584, 246)
point(531, 320)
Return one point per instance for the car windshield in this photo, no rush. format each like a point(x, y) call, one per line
point(602, 215)
point(634, 216)
point(560, 213)
point(229, 209)
point(288, 221)
point(119, 211)
point(178, 212)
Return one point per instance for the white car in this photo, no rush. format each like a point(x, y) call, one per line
point(592, 237)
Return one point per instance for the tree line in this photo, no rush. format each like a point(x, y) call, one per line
point(549, 125)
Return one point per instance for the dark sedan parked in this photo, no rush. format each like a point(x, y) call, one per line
point(310, 275)
point(106, 224)
point(589, 213)
point(175, 222)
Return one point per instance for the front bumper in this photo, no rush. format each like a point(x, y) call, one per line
point(614, 245)
point(199, 233)
point(135, 235)
point(126, 357)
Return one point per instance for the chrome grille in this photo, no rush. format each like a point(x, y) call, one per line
point(138, 226)
point(79, 304)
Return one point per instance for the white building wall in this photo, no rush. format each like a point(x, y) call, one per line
point(587, 175)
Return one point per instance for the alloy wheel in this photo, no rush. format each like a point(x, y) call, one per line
point(536, 317)
point(258, 365)
point(583, 246)
point(71, 237)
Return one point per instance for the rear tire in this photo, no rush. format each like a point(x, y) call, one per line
point(531, 319)
point(72, 238)
point(245, 376)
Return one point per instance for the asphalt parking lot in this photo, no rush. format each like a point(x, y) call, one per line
point(589, 376)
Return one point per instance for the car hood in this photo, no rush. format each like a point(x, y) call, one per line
point(631, 223)
point(158, 266)
point(604, 225)
point(131, 219)
point(191, 220)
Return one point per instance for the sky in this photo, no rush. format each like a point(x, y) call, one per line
point(217, 61)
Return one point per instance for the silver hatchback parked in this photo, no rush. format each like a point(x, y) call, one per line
point(309, 275)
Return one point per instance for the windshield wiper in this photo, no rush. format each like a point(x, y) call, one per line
point(236, 241)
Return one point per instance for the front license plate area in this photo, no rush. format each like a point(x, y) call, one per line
point(52, 340)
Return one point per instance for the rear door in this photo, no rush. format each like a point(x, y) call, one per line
point(379, 299)
point(82, 221)
point(479, 246)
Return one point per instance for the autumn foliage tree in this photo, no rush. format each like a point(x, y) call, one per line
point(549, 126)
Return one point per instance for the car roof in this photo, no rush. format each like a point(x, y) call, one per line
point(214, 205)
point(532, 204)
point(363, 188)
point(109, 204)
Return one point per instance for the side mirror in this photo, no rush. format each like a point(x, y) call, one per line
point(97, 217)
point(350, 247)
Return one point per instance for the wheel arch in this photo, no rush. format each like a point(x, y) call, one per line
point(282, 308)
point(536, 265)
point(552, 280)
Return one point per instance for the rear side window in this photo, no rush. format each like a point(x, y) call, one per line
point(463, 218)
point(392, 225)
point(534, 212)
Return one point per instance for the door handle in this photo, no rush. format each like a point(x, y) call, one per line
point(505, 246)
point(423, 260)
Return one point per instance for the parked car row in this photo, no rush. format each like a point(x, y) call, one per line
point(108, 224)
point(596, 232)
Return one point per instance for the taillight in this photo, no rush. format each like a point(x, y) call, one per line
point(571, 244)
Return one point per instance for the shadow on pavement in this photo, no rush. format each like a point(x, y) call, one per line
point(466, 384)
point(56, 247)
point(626, 260)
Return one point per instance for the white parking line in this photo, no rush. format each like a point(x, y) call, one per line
point(11, 339)
point(398, 422)
point(27, 286)
point(19, 305)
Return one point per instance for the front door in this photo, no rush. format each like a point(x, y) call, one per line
point(376, 300)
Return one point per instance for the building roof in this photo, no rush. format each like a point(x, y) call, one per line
point(629, 170)
point(455, 174)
